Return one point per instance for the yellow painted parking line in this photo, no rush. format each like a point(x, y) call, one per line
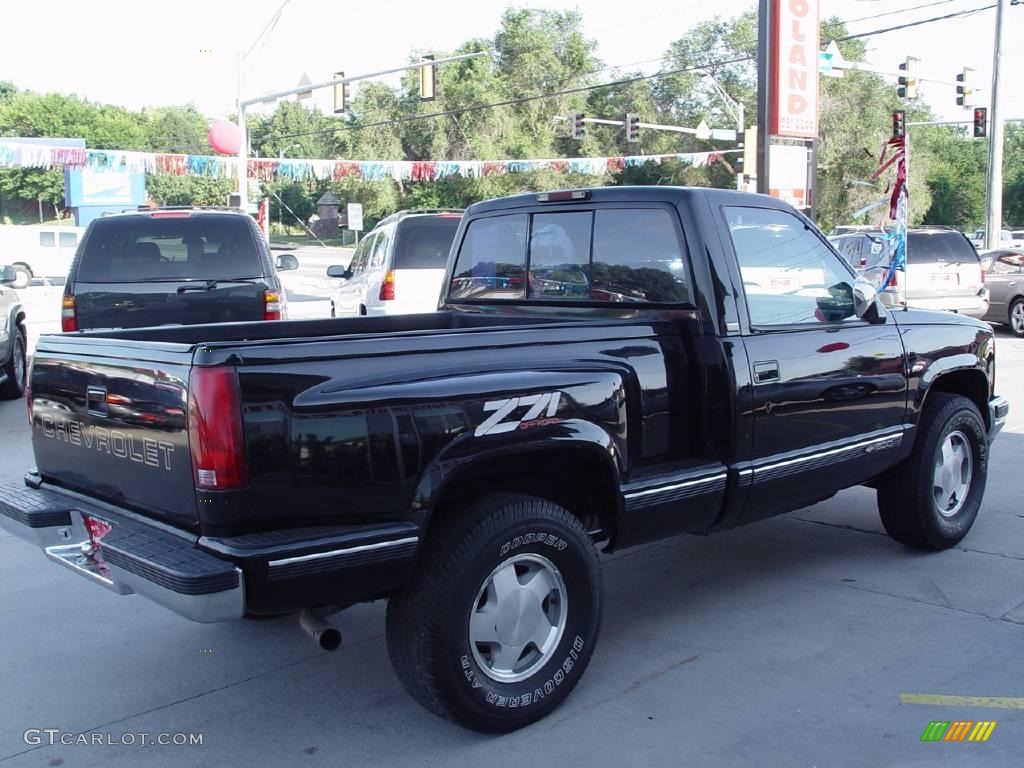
point(942, 700)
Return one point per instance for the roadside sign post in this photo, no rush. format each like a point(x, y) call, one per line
point(354, 218)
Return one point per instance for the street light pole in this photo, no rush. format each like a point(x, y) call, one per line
point(994, 189)
point(764, 93)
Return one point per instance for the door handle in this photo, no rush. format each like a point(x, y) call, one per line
point(766, 370)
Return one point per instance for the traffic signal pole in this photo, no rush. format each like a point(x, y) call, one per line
point(994, 188)
point(243, 149)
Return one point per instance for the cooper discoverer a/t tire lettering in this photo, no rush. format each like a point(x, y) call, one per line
point(501, 618)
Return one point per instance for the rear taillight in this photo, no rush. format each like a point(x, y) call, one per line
point(271, 305)
point(68, 314)
point(893, 281)
point(215, 434)
point(387, 288)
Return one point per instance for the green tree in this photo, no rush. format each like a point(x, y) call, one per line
point(176, 129)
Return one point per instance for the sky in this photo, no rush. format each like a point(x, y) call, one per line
point(137, 54)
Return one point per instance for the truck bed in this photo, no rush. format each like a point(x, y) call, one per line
point(329, 328)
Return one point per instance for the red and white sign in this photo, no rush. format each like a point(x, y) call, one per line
point(794, 107)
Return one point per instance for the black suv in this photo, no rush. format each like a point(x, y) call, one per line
point(172, 266)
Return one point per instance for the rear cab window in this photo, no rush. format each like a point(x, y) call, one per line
point(423, 242)
point(143, 248)
point(613, 254)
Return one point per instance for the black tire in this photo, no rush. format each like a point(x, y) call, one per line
point(1016, 327)
point(428, 624)
point(906, 501)
point(16, 368)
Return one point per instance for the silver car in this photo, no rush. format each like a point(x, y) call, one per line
point(943, 270)
point(1005, 282)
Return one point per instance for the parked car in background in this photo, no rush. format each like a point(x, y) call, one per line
point(1007, 239)
point(173, 266)
point(13, 339)
point(847, 229)
point(1004, 278)
point(863, 249)
point(398, 268)
point(943, 270)
point(38, 251)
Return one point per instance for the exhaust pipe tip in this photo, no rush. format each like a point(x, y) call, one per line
point(324, 634)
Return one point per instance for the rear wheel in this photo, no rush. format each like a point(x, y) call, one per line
point(501, 619)
point(931, 500)
point(1016, 317)
point(16, 368)
point(22, 276)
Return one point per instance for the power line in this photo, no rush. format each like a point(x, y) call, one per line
point(613, 84)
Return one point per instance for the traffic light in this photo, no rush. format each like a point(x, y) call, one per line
point(899, 124)
point(632, 126)
point(980, 122)
point(428, 78)
point(965, 89)
point(577, 125)
point(908, 82)
point(342, 95)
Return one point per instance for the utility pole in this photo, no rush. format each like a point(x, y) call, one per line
point(994, 190)
point(764, 96)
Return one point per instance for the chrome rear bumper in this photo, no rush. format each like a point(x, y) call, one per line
point(135, 556)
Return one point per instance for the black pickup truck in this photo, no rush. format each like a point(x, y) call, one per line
point(606, 367)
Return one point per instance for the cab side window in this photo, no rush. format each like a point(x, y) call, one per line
point(790, 277)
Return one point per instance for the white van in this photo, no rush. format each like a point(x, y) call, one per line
point(398, 268)
point(38, 251)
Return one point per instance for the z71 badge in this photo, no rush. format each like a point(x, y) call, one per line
point(500, 420)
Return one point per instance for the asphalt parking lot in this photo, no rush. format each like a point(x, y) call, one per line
point(785, 643)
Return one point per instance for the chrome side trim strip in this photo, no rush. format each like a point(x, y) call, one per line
point(345, 551)
point(832, 452)
point(675, 486)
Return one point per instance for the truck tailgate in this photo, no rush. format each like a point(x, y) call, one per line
point(112, 426)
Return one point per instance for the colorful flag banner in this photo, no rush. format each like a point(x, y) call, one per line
point(21, 155)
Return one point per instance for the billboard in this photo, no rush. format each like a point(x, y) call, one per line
point(794, 104)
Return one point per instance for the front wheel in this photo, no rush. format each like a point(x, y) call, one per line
point(502, 616)
point(932, 499)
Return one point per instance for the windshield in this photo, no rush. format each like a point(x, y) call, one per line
point(424, 241)
point(139, 248)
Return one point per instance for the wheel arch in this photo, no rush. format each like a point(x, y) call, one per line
point(971, 383)
point(580, 476)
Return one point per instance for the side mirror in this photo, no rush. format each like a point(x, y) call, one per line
point(865, 302)
point(286, 262)
point(336, 270)
point(8, 275)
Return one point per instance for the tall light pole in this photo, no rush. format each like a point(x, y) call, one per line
point(994, 190)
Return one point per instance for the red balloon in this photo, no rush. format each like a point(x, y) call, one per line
point(225, 137)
